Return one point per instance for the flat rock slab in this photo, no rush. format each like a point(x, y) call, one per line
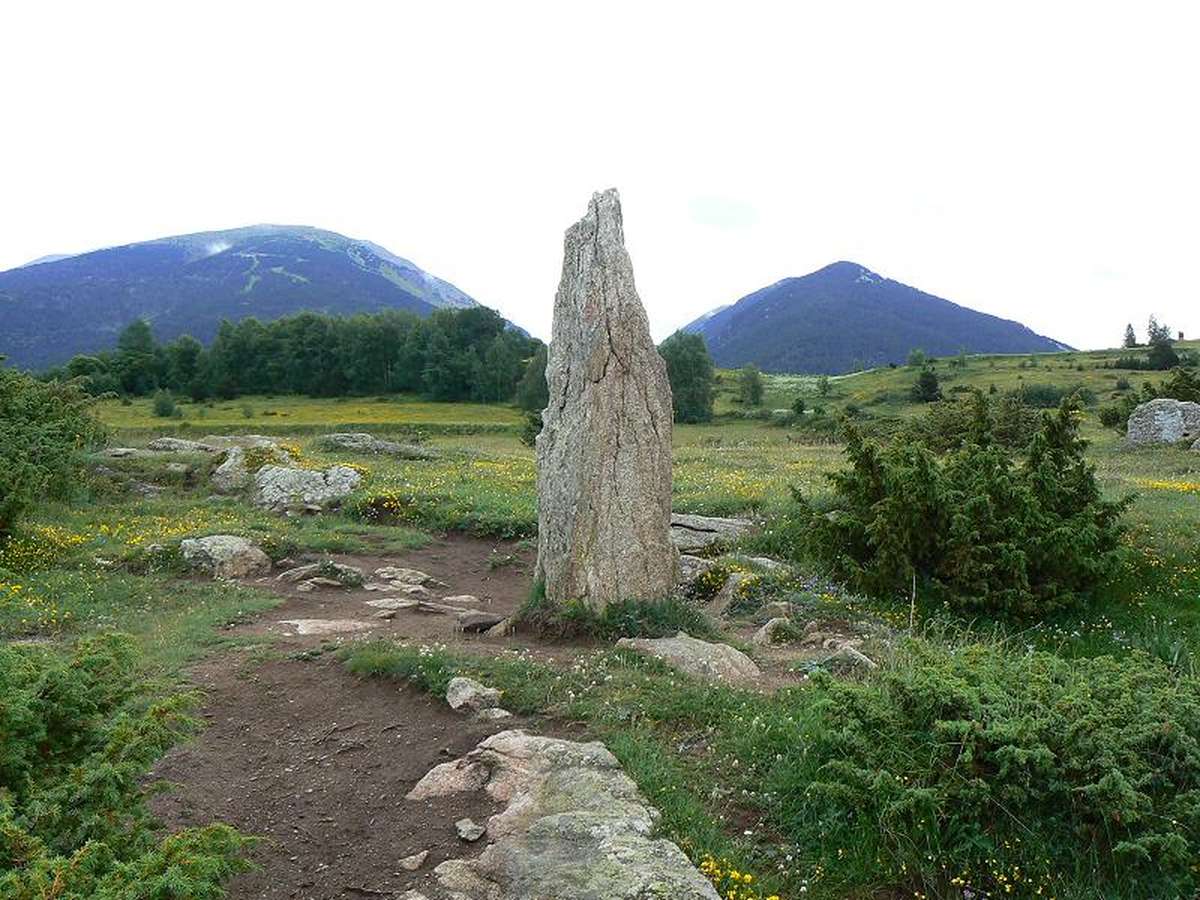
point(689, 532)
point(574, 826)
point(326, 626)
point(361, 442)
point(713, 662)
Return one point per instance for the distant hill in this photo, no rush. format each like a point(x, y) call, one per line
point(55, 307)
point(845, 315)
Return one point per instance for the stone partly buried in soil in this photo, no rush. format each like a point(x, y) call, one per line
point(280, 487)
point(574, 826)
point(326, 626)
point(714, 662)
point(468, 693)
point(361, 442)
point(225, 556)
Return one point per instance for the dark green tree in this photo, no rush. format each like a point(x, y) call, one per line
point(1130, 340)
point(926, 389)
point(533, 394)
point(690, 371)
point(750, 385)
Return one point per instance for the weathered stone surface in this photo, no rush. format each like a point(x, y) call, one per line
point(407, 576)
point(123, 452)
point(225, 556)
point(342, 574)
point(728, 594)
point(226, 441)
point(279, 487)
point(493, 713)
point(179, 445)
point(361, 442)
point(1196, 446)
point(690, 532)
point(692, 567)
point(326, 626)
point(574, 826)
point(232, 474)
point(393, 603)
point(715, 662)
point(467, 692)
point(469, 830)
point(1163, 421)
point(604, 452)
point(414, 862)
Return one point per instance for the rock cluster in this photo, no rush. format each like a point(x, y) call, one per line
point(574, 826)
point(604, 452)
point(1163, 421)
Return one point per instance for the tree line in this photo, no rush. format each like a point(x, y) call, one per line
point(454, 354)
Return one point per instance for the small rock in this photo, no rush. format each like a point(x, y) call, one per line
point(727, 596)
point(414, 862)
point(122, 452)
point(407, 576)
point(500, 629)
point(322, 581)
point(692, 567)
point(463, 599)
point(326, 626)
point(413, 590)
point(467, 692)
point(776, 609)
point(342, 574)
point(232, 474)
point(476, 621)
point(715, 662)
point(766, 634)
point(469, 831)
point(392, 604)
point(764, 562)
point(178, 468)
point(225, 556)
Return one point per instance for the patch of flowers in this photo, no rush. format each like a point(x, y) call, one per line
point(732, 883)
point(25, 612)
point(1178, 487)
point(38, 547)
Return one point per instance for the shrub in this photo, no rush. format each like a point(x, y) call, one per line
point(798, 406)
point(626, 618)
point(926, 388)
point(750, 386)
point(73, 822)
point(947, 426)
point(163, 405)
point(990, 771)
point(43, 428)
point(979, 530)
point(1112, 416)
point(1123, 384)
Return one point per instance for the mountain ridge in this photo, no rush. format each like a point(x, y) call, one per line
point(55, 307)
point(844, 316)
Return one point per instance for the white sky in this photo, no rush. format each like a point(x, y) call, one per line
point(1038, 160)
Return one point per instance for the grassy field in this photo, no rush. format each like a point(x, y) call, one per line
point(108, 560)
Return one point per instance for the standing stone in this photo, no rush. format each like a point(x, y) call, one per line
point(1163, 421)
point(604, 454)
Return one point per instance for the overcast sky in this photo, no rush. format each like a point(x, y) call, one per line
point(1037, 161)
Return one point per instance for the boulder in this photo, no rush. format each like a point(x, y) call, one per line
point(690, 532)
point(232, 474)
point(574, 826)
point(714, 662)
point(1163, 421)
point(467, 692)
point(179, 445)
point(604, 452)
point(361, 442)
point(225, 556)
point(281, 487)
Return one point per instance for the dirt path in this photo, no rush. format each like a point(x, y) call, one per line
point(317, 763)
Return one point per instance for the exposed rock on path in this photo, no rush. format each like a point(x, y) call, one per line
point(714, 662)
point(574, 826)
point(604, 452)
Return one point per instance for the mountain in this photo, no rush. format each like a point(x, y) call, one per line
point(55, 307)
point(844, 316)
